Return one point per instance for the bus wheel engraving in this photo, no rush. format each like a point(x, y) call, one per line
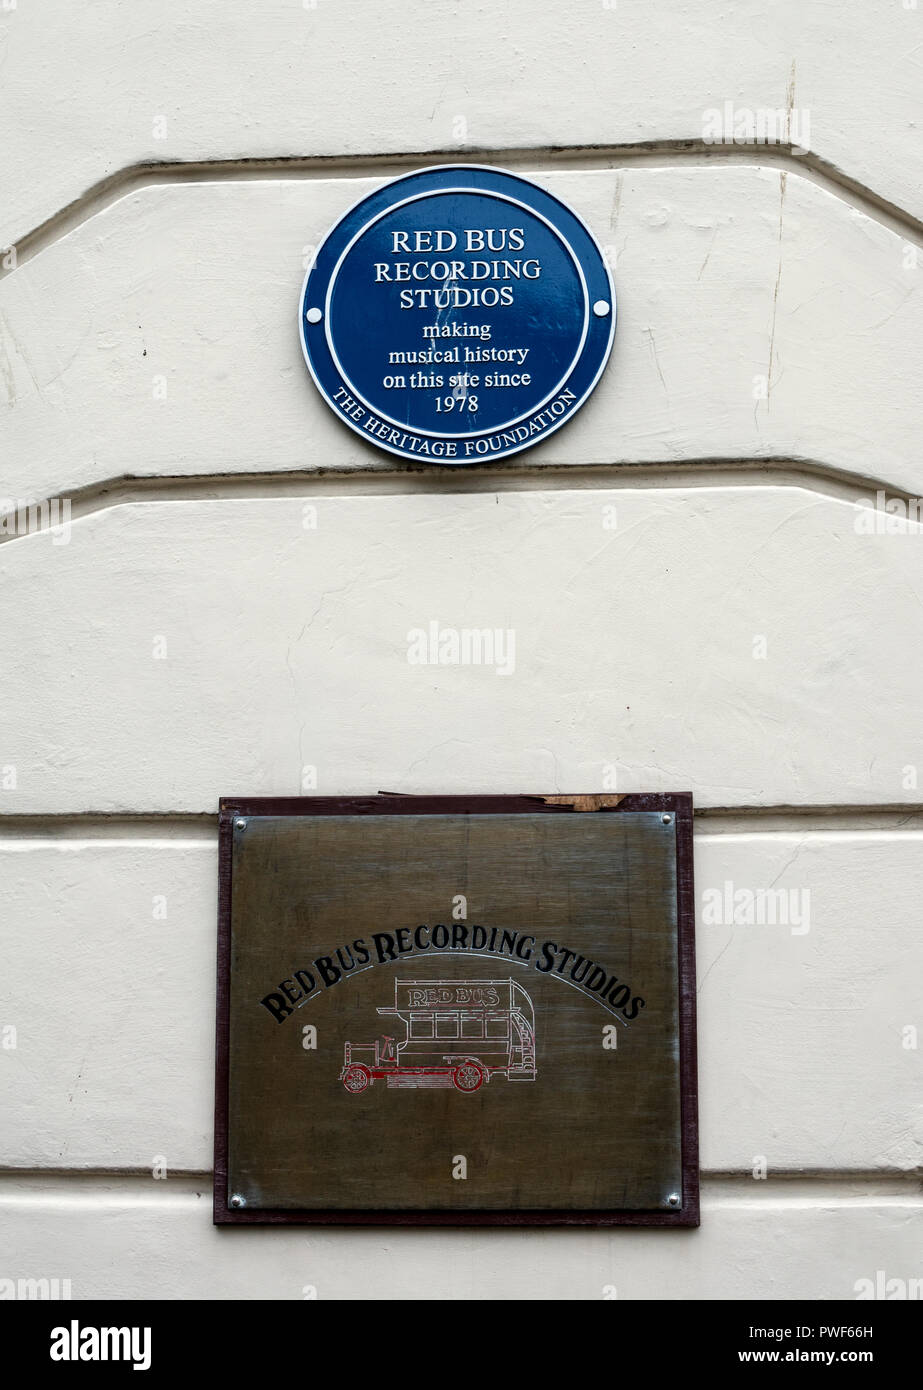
point(468, 1076)
point(356, 1079)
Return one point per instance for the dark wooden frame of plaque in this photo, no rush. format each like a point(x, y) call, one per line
point(678, 803)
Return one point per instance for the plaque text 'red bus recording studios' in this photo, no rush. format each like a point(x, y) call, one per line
point(301, 985)
point(457, 314)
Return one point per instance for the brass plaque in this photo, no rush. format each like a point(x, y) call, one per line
point(456, 1010)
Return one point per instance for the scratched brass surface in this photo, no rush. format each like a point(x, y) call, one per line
point(596, 1128)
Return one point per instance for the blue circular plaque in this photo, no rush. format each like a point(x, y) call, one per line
point(457, 314)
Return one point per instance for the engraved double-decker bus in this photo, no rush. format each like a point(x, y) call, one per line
point(459, 1033)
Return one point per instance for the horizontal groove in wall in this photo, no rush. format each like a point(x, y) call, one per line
point(195, 826)
point(808, 165)
point(841, 1187)
point(128, 490)
point(725, 820)
point(92, 825)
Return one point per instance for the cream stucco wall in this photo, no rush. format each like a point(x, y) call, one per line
point(165, 172)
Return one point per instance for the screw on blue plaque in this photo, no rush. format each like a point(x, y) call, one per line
point(457, 315)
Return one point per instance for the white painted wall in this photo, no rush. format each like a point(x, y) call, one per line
point(764, 382)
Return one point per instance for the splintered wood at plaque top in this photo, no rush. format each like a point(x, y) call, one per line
point(453, 1013)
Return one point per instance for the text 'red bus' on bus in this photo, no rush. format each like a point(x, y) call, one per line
point(455, 1033)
